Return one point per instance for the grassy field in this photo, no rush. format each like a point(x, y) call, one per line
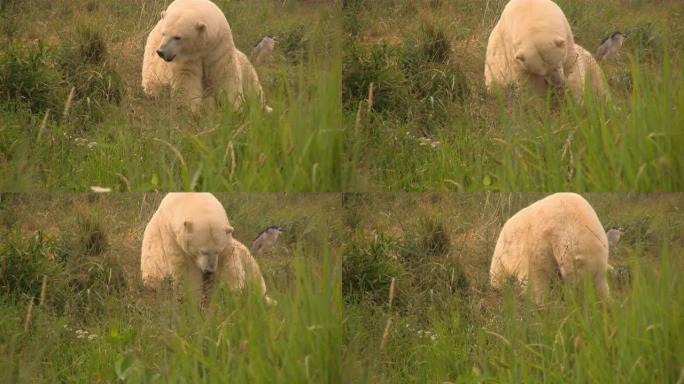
point(447, 326)
point(431, 126)
point(108, 134)
point(94, 323)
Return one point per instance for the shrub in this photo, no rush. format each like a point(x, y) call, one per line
point(293, 43)
point(27, 78)
point(434, 238)
point(375, 64)
point(368, 268)
point(92, 238)
point(24, 262)
point(91, 45)
point(75, 281)
point(417, 81)
point(84, 67)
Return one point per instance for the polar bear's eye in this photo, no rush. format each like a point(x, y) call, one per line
point(176, 37)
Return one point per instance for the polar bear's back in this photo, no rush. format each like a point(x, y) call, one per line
point(181, 206)
point(542, 19)
point(560, 213)
point(202, 7)
point(539, 23)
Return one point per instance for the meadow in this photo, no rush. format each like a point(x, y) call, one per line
point(73, 309)
point(73, 115)
point(419, 117)
point(444, 324)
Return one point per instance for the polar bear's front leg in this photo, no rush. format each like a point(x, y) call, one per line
point(187, 84)
point(543, 268)
point(154, 265)
point(601, 285)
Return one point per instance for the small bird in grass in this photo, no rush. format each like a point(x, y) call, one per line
point(263, 51)
point(610, 46)
point(614, 234)
point(266, 239)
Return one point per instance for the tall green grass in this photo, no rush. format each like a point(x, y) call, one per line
point(75, 257)
point(72, 113)
point(296, 148)
point(432, 126)
point(447, 325)
point(636, 338)
point(137, 338)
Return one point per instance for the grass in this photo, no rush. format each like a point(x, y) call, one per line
point(368, 96)
point(431, 126)
point(72, 112)
point(446, 325)
point(92, 321)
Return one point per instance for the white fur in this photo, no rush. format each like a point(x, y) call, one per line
point(531, 44)
point(207, 64)
point(586, 75)
point(558, 235)
point(174, 249)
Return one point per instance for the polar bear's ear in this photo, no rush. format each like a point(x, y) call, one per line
point(560, 42)
point(188, 226)
point(162, 14)
point(229, 230)
point(201, 26)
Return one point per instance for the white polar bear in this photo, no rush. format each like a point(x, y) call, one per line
point(189, 240)
point(191, 49)
point(559, 235)
point(531, 44)
point(586, 75)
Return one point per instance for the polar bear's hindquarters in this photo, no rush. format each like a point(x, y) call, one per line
point(560, 235)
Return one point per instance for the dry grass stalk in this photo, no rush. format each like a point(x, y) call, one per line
point(357, 122)
point(29, 316)
point(43, 125)
point(69, 102)
point(385, 334)
point(175, 151)
point(43, 291)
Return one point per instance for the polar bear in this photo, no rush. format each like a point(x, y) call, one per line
point(585, 75)
point(189, 240)
point(559, 235)
point(531, 44)
point(191, 49)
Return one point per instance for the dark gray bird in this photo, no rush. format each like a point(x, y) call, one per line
point(610, 46)
point(263, 51)
point(614, 234)
point(266, 239)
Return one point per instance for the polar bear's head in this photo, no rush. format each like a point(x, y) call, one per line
point(205, 241)
point(182, 35)
point(543, 58)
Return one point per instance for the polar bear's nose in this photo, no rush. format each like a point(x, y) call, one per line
point(160, 53)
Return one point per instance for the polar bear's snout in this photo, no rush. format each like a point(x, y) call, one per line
point(207, 262)
point(165, 56)
point(556, 77)
point(169, 48)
